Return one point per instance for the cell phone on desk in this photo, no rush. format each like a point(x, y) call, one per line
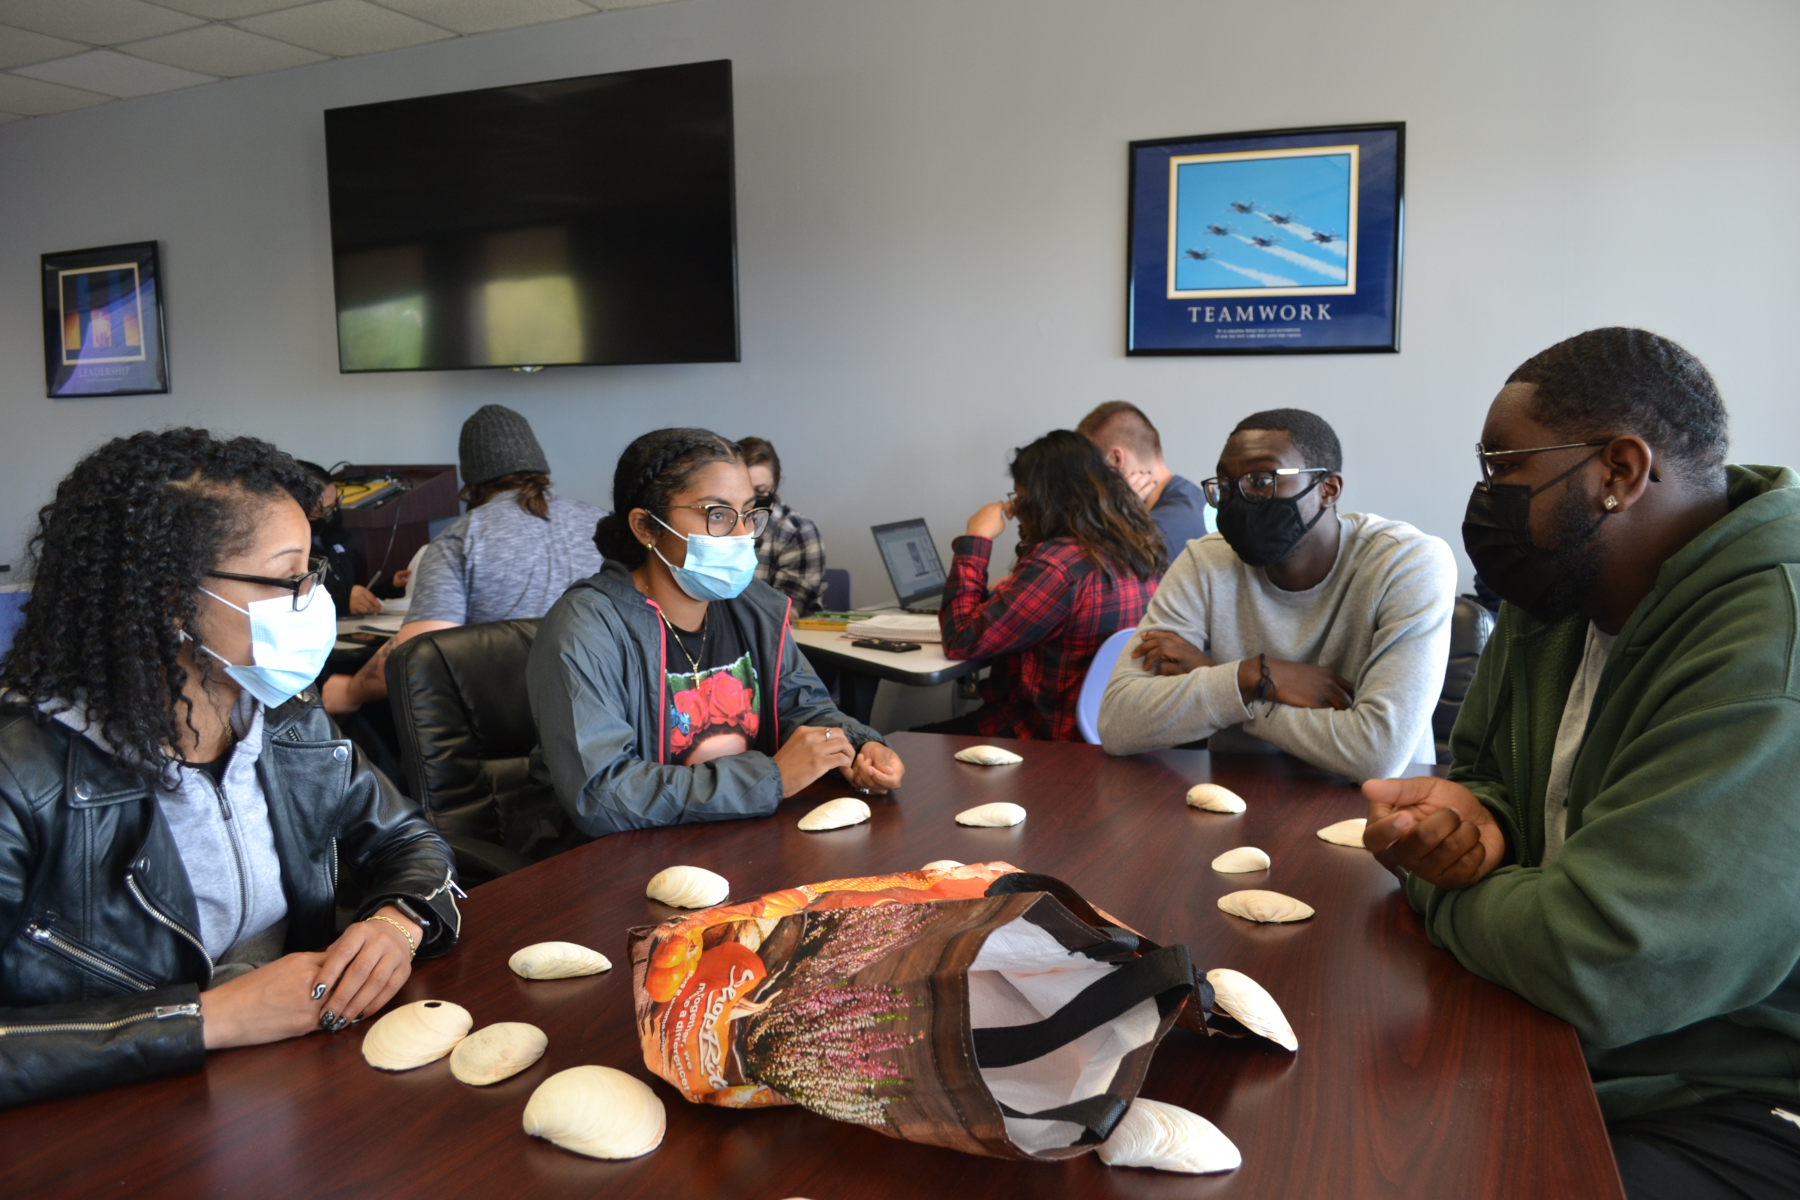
point(884, 644)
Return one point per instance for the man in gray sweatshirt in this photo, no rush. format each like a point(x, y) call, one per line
point(1292, 628)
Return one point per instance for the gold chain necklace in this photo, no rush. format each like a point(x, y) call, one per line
point(683, 645)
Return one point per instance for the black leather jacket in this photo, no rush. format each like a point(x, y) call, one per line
point(101, 965)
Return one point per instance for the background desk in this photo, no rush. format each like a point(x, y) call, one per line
point(1414, 1078)
point(861, 670)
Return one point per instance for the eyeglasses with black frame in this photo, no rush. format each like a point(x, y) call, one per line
point(304, 587)
point(1254, 486)
point(722, 519)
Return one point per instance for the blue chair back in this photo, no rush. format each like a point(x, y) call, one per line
point(837, 590)
point(11, 602)
point(1087, 704)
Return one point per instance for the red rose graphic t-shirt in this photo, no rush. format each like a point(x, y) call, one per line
point(714, 710)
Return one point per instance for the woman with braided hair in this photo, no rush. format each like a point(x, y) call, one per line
point(667, 688)
point(174, 803)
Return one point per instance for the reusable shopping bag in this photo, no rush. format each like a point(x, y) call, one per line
point(980, 1008)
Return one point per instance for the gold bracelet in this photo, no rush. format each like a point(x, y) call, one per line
point(412, 949)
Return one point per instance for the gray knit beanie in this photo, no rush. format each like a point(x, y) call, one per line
point(497, 441)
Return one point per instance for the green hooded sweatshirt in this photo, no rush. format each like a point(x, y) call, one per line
point(1668, 931)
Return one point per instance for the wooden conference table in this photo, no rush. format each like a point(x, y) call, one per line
point(1413, 1078)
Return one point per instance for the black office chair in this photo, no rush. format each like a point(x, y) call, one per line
point(1470, 627)
point(466, 737)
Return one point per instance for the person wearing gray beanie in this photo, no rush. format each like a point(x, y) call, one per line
point(499, 561)
point(497, 441)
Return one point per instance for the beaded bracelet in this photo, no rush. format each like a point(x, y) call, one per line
point(1265, 687)
point(411, 946)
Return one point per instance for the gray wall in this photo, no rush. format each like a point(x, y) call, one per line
point(931, 230)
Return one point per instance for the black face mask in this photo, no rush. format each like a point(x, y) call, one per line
point(1548, 584)
point(1267, 532)
point(329, 529)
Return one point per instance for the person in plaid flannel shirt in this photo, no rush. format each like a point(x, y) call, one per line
point(790, 555)
point(1089, 558)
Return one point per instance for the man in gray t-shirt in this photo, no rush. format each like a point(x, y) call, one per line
point(509, 557)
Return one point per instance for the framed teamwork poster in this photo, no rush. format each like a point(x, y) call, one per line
point(103, 327)
point(1280, 242)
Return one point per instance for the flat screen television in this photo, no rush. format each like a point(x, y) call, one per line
point(574, 222)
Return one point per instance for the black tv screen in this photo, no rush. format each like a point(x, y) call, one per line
point(579, 221)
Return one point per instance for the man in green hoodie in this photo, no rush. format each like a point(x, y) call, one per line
point(1619, 837)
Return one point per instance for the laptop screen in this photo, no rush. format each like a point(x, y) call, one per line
point(912, 561)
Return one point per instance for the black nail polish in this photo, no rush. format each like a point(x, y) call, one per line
point(339, 1025)
point(318, 992)
point(325, 1021)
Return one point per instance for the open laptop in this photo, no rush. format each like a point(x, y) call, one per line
point(912, 563)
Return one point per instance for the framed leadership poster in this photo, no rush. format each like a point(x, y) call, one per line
point(1280, 242)
point(103, 327)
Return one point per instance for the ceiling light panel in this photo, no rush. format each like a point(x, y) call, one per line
point(344, 27)
point(223, 50)
point(229, 10)
point(96, 22)
point(113, 74)
point(485, 16)
point(35, 98)
point(21, 46)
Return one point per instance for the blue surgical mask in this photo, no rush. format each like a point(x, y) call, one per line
point(288, 646)
point(717, 568)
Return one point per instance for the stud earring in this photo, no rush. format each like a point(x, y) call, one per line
point(1612, 502)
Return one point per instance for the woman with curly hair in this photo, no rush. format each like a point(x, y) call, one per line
point(667, 688)
point(174, 804)
point(1089, 559)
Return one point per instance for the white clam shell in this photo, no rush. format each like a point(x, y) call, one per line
point(995, 815)
point(1167, 1138)
point(596, 1111)
point(1214, 798)
point(415, 1034)
point(557, 960)
point(1255, 905)
point(988, 756)
point(835, 814)
point(688, 887)
point(941, 864)
point(1246, 1001)
point(497, 1052)
point(1244, 858)
point(1346, 833)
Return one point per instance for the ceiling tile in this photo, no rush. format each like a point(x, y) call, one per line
point(21, 46)
point(228, 10)
point(344, 27)
point(113, 74)
point(34, 97)
point(96, 22)
point(5, 117)
point(609, 5)
point(483, 16)
point(222, 50)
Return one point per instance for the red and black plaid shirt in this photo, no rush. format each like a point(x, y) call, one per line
point(1042, 625)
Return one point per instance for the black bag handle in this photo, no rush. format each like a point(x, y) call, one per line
point(1098, 1115)
point(1123, 941)
point(1166, 974)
